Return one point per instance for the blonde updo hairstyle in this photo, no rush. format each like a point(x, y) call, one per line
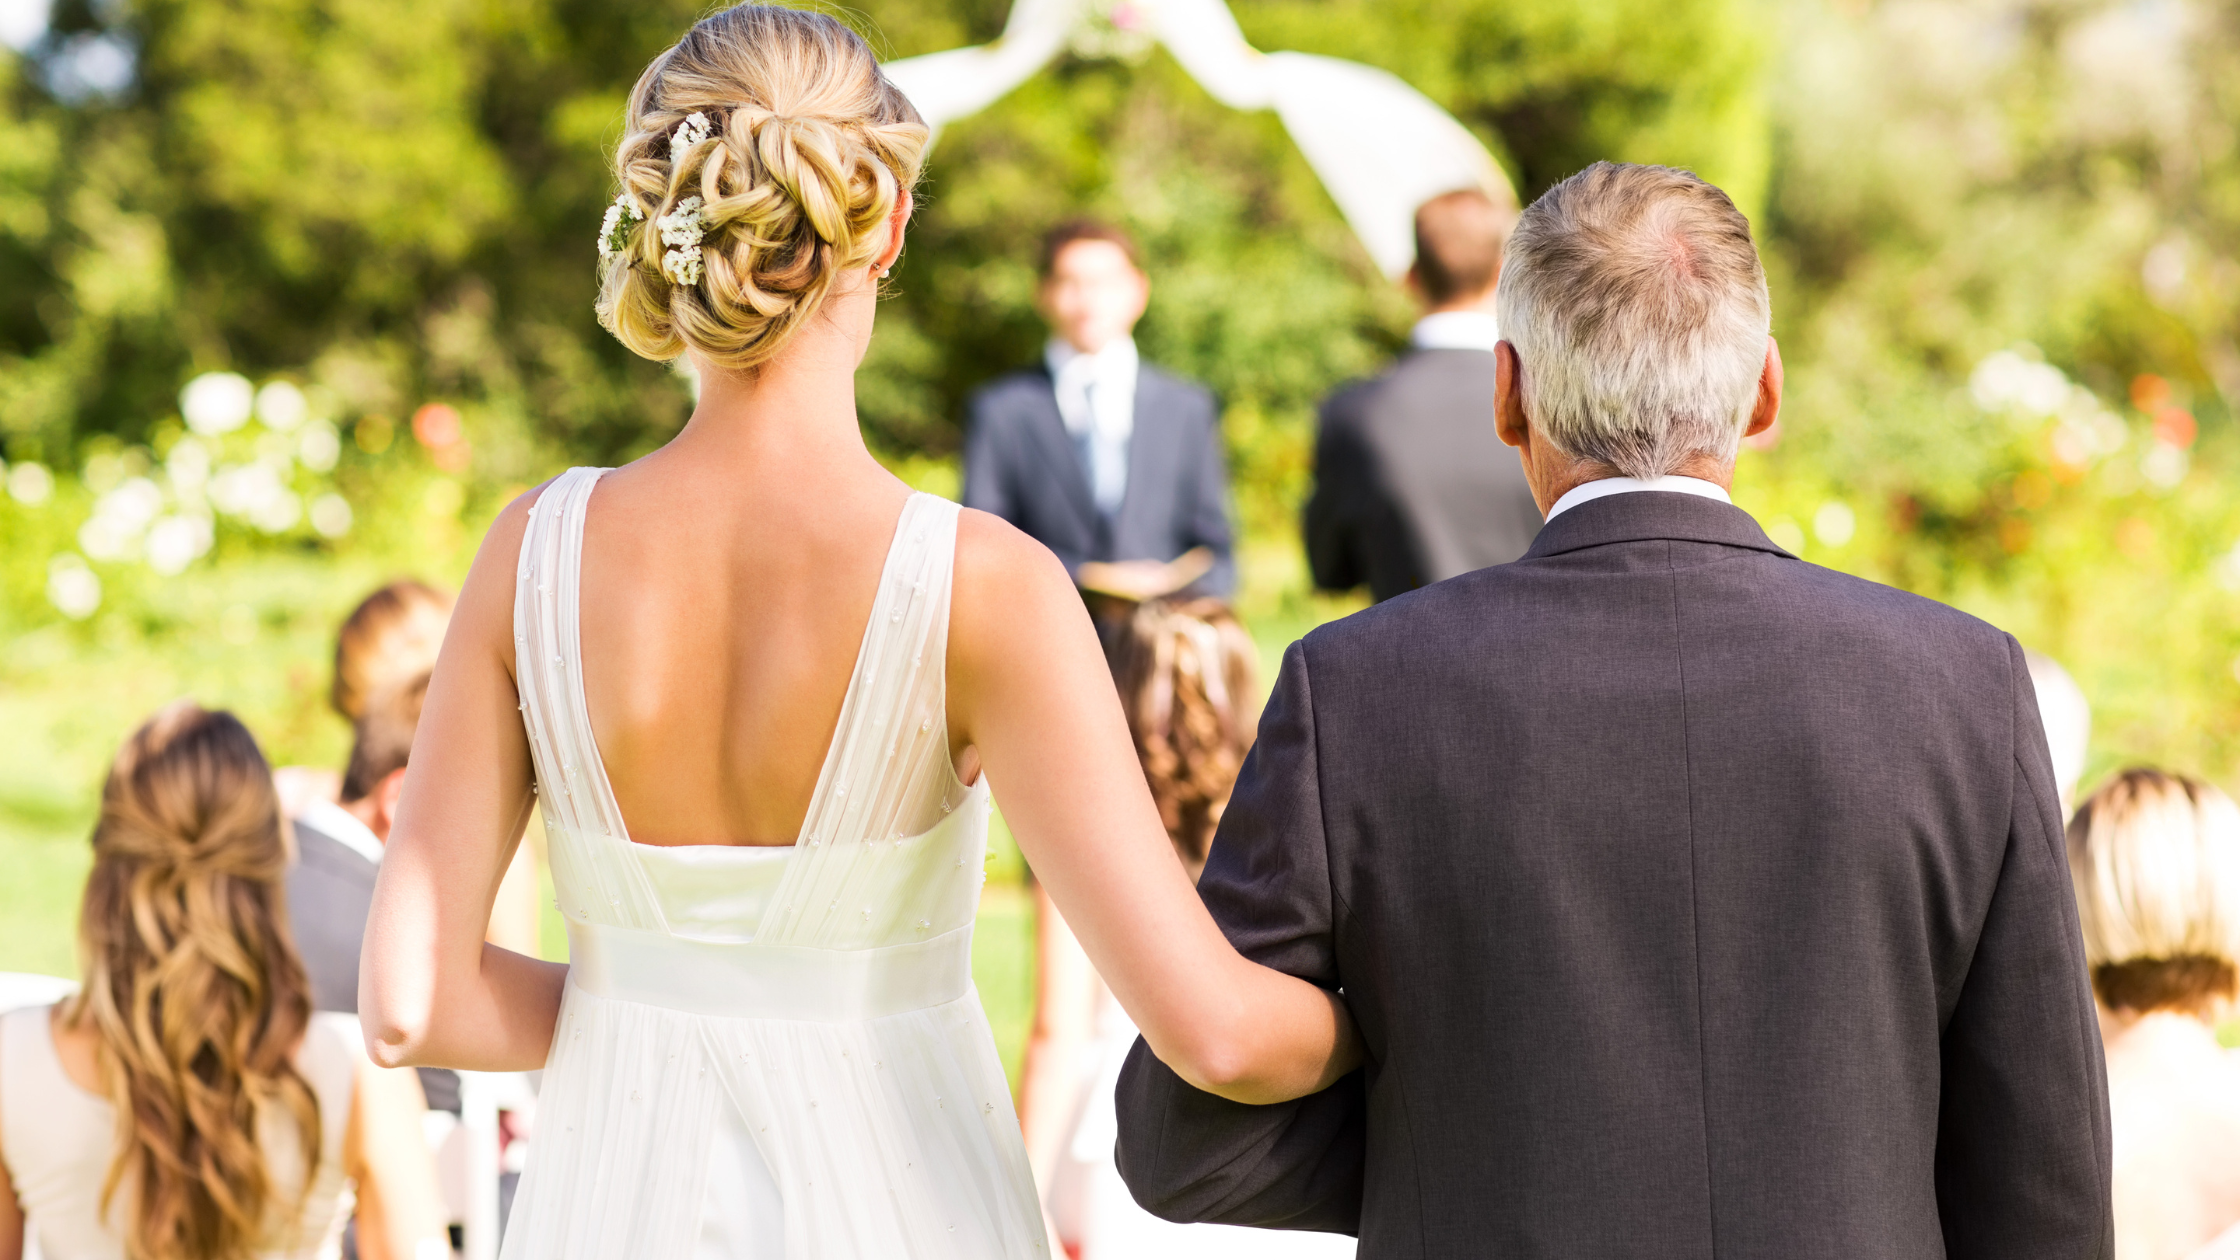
point(809, 150)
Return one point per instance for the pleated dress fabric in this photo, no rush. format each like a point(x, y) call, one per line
point(770, 1052)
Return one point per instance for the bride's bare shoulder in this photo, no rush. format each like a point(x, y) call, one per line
point(1011, 593)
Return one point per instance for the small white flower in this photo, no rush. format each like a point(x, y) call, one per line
point(614, 231)
point(691, 131)
point(682, 229)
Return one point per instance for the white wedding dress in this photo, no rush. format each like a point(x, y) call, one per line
point(771, 1052)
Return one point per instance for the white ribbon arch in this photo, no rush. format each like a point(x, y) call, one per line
point(1380, 147)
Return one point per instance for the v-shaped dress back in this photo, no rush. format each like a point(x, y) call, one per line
point(770, 1052)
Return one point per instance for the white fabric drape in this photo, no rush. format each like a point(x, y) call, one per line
point(1380, 147)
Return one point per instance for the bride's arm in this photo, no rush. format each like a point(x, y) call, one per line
point(1029, 687)
point(431, 990)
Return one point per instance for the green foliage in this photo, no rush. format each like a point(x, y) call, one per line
point(1955, 180)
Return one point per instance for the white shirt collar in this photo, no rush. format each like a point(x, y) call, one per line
point(1456, 330)
point(1113, 370)
point(1587, 492)
point(342, 826)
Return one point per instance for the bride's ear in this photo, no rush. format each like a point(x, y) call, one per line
point(898, 221)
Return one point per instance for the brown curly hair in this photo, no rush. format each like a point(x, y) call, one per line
point(810, 148)
point(1189, 682)
point(194, 990)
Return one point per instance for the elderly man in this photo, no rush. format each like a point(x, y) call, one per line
point(1692, 901)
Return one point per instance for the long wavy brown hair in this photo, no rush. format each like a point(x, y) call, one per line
point(1188, 679)
point(194, 989)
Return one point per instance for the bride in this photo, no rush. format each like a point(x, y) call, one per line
point(758, 689)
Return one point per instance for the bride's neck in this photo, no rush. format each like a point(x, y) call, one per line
point(794, 415)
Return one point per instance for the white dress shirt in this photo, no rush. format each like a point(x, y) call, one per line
point(342, 826)
point(1097, 400)
point(1587, 492)
point(1456, 330)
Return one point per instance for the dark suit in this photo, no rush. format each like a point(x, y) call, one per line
point(1412, 484)
point(1693, 901)
point(330, 894)
point(1021, 465)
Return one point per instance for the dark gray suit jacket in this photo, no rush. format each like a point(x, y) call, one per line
point(1021, 465)
point(1412, 484)
point(1693, 901)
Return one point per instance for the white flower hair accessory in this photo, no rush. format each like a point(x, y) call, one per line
point(614, 232)
point(691, 131)
point(682, 230)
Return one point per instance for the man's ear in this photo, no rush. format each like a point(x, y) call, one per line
point(1508, 399)
point(1768, 407)
point(385, 796)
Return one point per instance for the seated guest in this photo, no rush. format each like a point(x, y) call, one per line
point(2156, 863)
point(187, 1104)
point(391, 637)
point(1106, 460)
point(1412, 484)
point(338, 845)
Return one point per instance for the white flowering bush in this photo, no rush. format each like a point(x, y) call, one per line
point(245, 468)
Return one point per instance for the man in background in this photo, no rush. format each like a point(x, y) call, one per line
point(1412, 484)
point(1106, 460)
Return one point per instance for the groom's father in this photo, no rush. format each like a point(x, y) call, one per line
point(1693, 901)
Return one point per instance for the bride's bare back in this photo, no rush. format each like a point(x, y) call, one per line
point(721, 618)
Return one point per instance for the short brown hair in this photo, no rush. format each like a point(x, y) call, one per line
point(383, 737)
point(1459, 236)
point(1075, 231)
point(390, 638)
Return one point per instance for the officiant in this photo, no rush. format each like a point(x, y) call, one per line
point(1108, 461)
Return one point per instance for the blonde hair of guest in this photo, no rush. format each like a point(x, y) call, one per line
point(809, 151)
point(194, 990)
point(1188, 682)
point(2155, 859)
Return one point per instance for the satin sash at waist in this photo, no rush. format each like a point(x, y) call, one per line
point(751, 981)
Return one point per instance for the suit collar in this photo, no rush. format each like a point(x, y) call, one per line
point(1650, 514)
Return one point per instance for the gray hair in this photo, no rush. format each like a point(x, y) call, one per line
point(1638, 309)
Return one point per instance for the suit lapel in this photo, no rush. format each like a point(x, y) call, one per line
point(1056, 449)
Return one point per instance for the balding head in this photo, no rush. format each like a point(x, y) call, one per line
point(1458, 245)
point(1635, 301)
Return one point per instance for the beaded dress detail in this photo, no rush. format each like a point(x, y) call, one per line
point(771, 1052)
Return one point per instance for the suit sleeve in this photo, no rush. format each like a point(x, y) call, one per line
point(987, 483)
point(1210, 526)
point(1191, 1156)
point(1332, 520)
point(2023, 1153)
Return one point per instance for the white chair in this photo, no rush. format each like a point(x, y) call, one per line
point(19, 989)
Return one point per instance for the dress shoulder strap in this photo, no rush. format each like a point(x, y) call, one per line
point(596, 877)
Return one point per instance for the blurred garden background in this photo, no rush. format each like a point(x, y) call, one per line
point(295, 294)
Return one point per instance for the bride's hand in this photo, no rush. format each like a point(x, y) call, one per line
point(1029, 688)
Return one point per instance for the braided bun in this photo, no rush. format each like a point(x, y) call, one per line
point(772, 134)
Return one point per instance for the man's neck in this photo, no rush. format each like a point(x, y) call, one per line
point(365, 811)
